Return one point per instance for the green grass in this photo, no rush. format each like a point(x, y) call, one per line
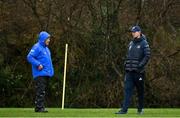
point(57, 112)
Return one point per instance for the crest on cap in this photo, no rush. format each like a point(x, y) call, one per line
point(135, 29)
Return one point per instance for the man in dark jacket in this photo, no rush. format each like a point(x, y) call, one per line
point(42, 68)
point(136, 60)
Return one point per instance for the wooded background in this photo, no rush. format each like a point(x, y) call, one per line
point(97, 34)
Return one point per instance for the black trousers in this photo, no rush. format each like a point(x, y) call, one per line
point(133, 79)
point(41, 84)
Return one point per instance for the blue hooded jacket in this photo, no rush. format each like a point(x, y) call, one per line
point(41, 55)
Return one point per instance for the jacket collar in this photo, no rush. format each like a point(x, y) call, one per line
point(135, 40)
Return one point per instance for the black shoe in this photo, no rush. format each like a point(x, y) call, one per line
point(36, 110)
point(121, 112)
point(42, 110)
point(140, 112)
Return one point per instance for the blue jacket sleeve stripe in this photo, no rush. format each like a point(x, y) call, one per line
point(147, 53)
point(31, 57)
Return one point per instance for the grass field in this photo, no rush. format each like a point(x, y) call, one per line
point(57, 112)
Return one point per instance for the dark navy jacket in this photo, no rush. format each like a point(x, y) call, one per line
point(138, 55)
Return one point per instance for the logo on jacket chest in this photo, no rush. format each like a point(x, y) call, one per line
point(138, 46)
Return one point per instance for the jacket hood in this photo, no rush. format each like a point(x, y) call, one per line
point(42, 37)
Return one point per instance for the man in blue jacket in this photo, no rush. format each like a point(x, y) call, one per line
point(42, 69)
point(137, 58)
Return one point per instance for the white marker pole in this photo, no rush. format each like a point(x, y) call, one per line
point(64, 82)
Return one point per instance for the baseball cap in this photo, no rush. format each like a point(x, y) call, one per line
point(135, 29)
